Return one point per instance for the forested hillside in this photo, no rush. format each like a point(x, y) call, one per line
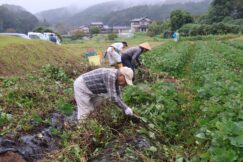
point(94, 13)
point(16, 19)
point(58, 15)
point(154, 12)
point(121, 13)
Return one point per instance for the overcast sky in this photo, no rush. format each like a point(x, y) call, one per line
point(35, 6)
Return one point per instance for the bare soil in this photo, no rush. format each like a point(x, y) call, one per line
point(11, 157)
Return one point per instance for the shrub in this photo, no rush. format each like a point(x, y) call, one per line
point(157, 28)
point(77, 35)
point(178, 18)
point(54, 72)
point(204, 29)
point(112, 36)
point(94, 30)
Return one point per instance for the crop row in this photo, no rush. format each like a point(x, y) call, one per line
point(210, 74)
point(219, 90)
point(170, 57)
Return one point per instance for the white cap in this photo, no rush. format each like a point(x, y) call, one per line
point(128, 73)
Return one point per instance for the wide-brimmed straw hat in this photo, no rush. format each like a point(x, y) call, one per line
point(145, 45)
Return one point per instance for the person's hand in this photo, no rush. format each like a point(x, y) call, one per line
point(128, 111)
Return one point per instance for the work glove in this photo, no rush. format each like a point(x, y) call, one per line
point(128, 111)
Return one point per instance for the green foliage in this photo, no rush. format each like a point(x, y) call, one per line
point(4, 118)
point(33, 97)
point(37, 118)
point(28, 99)
point(9, 82)
point(223, 17)
point(112, 37)
point(77, 35)
point(191, 109)
point(204, 29)
point(235, 43)
point(213, 70)
point(222, 8)
point(178, 18)
point(174, 58)
point(163, 113)
point(64, 107)
point(157, 28)
point(54, 72)
point(94, 30)
point(210, 37)
point(139, 95)
point(231, 21)
point(219, 94)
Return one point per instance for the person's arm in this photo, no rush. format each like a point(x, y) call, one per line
point(110, 82)
point(116, 56)
point(138, 61)
point(135, 57)
point(118, 47)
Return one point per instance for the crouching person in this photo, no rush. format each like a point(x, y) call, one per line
point(89, 86)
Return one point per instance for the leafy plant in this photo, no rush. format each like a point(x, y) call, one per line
point(54, 72)
point(4, 118)
point(112, 37)
point(64, 107)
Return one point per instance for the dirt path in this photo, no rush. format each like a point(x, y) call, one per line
point(239, 38)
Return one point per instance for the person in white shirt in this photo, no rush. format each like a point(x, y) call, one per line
point(114, 53)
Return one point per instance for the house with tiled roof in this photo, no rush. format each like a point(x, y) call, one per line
point(140, 24)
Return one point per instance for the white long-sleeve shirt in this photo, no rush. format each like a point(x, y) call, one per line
point(118, 46)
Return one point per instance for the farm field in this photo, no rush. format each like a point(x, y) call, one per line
point(187, 95)
point(19, 56)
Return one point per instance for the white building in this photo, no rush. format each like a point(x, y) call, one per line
point(140, 24)
point(99, 25)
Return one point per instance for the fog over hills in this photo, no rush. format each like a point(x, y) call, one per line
point(15, 18)
point(74, 16)
point(58, 15)
point(110, 12)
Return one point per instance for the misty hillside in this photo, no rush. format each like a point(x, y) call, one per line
point(95, 13)
point(16, 19)
point(123, 14)
point(120, 13)
point(181, 1)
point(57, 15)
point(155, 12)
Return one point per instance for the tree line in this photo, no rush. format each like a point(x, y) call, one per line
point(154, 12)
point(223, 16)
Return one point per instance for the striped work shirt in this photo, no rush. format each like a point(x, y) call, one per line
point(104, 80)
point(134, 53)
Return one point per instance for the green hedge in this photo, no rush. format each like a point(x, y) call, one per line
point(205, 29)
